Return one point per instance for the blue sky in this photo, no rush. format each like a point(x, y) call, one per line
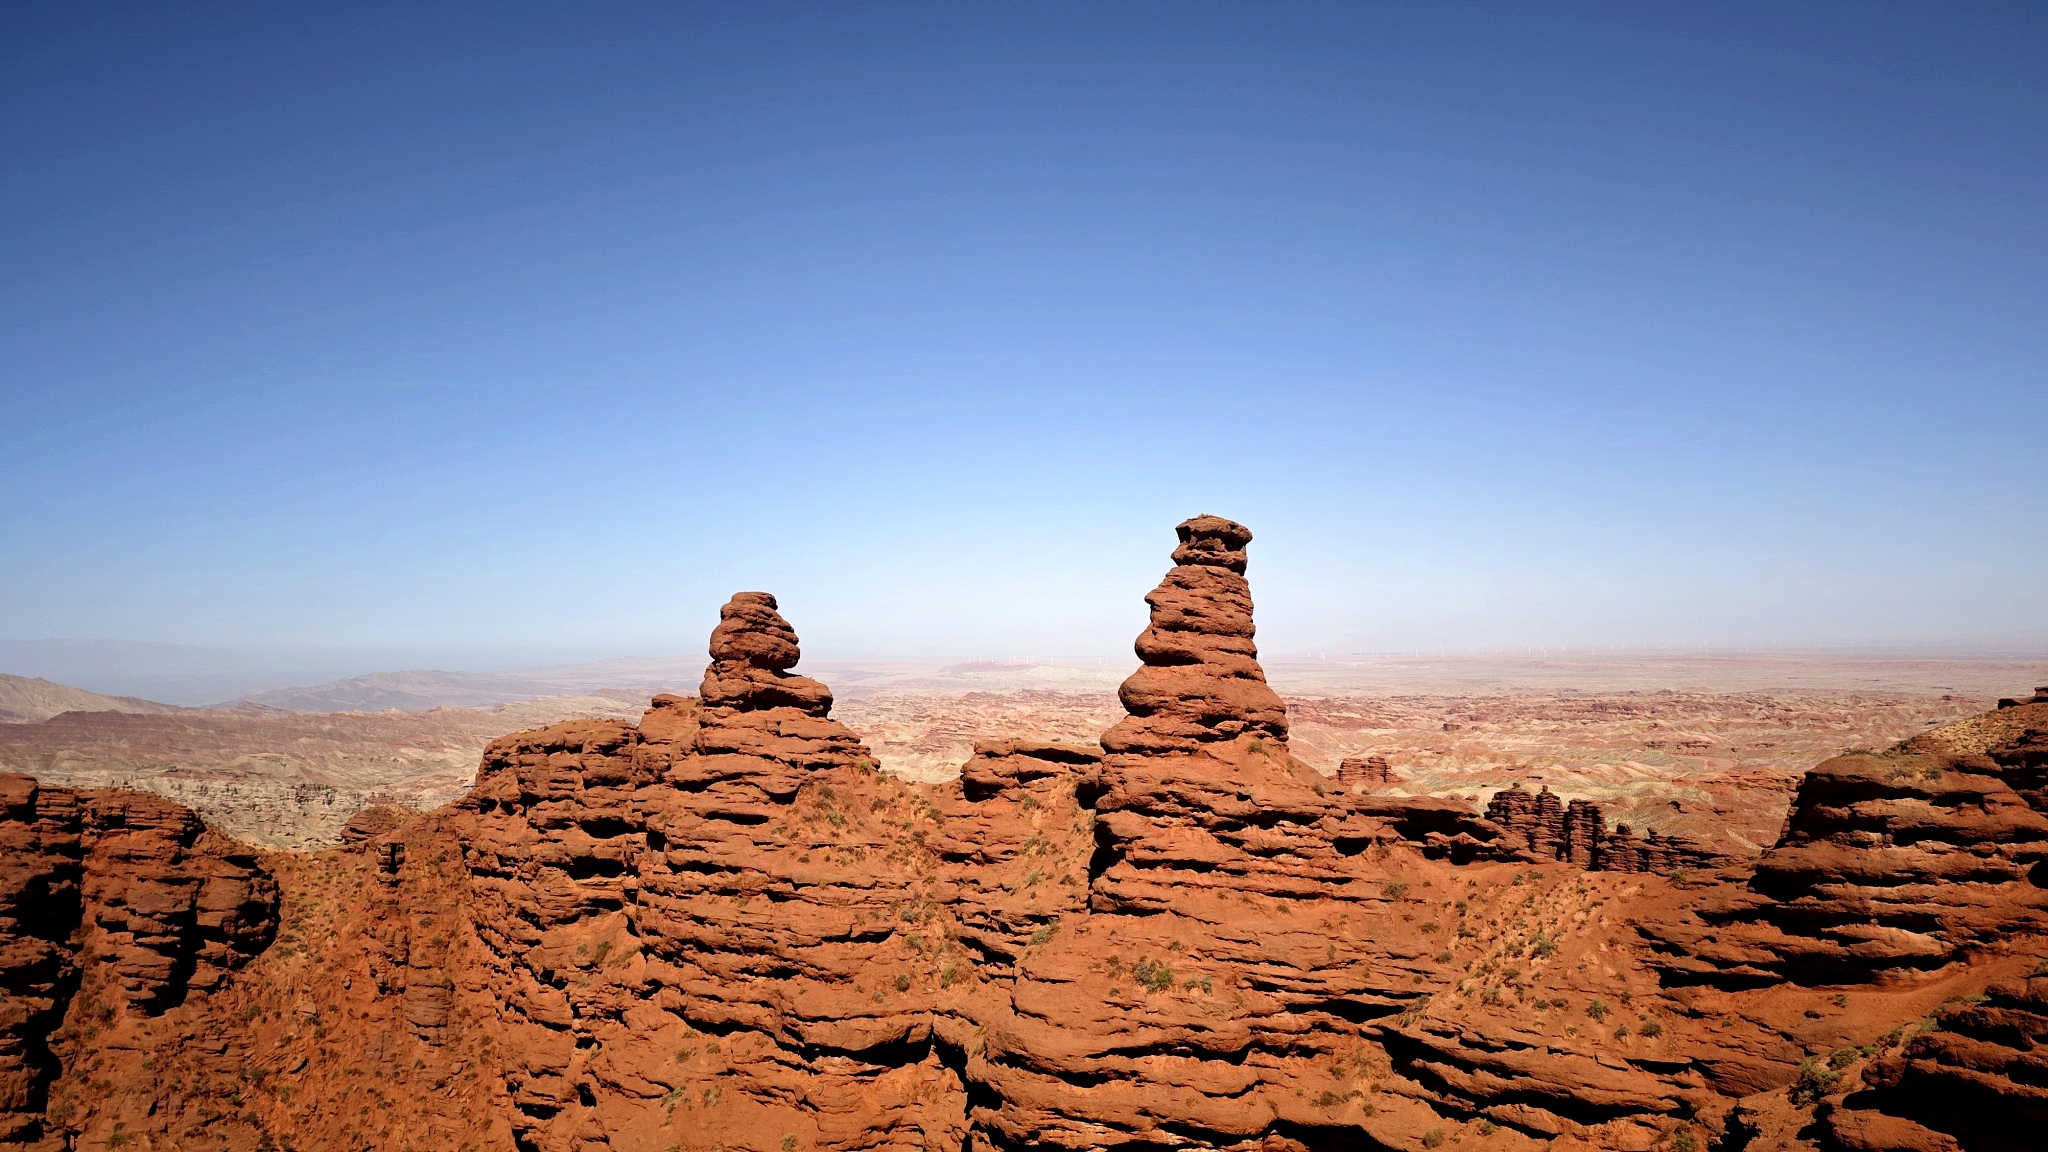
point(543, 328)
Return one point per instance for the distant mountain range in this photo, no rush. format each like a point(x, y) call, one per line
point(419, 689)
point(27, 701)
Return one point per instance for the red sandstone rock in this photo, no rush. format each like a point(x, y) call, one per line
point(1546, 829)
point(724, 927)
point(1366, 772)
point(1201, 682)
point(1973, 1082)
point(123, 890)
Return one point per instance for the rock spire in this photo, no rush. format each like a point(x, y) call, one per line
point(763, 727)
point(752, 650)
point(1201, 682)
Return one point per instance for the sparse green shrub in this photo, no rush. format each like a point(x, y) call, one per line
point(1651, 1028)
point(903, 981)
point(1815, 1081)
point(1597, 1009)
point(789, 1144)
point(1841, 1058)
point(1434, 1138)
point(1621, 1031)
point(1543, 947)
point(1683, 1141)
point(1395, 890)
point(1153, 975)
point(1332, 1099)
point(1488, 1127)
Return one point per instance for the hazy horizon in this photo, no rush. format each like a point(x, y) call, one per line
point(192, 675)
point(331, 335)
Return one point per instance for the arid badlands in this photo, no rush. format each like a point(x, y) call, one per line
point(1534, 912)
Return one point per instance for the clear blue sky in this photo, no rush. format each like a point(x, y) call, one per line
point(549, 326)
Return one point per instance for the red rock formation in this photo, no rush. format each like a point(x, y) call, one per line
point(1242, 920)
point(1576, 833)
point(1891, 860)
point(122, 891)
point(1534, 821)
point(1973, 1081)
point(372, 822)
point(724, 927)
point(1365, 772)
point(1200, 682)
point(1584, 829)
point(998, 765)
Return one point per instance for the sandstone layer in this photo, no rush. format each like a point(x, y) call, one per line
point(725, 926)
point(118, 900)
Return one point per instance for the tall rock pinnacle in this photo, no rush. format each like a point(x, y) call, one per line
point(1201, 682)
point(762, 727)
point(752, 650)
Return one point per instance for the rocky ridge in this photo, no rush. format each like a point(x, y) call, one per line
point(724, 926)
point(1577, 833)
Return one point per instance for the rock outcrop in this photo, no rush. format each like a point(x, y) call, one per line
point(1889, 860)
point(725, 927)
point(1546, 828)
point(1976, 1079)
point(1365, 772)
point(1200, 682)
point(123, 893)
point(2040, 696)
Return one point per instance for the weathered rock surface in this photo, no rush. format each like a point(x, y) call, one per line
point(1889, 861)
point(725, 927)
point(1977, 1080)
point(1576, 833)
point(120, 891)
point(1200, 681)
point(1365, 772)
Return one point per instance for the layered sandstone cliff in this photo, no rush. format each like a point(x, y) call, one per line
point(121, 896)
point(725, 927)
point(1576, 833)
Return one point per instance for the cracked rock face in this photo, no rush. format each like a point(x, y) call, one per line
point(121, 889)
